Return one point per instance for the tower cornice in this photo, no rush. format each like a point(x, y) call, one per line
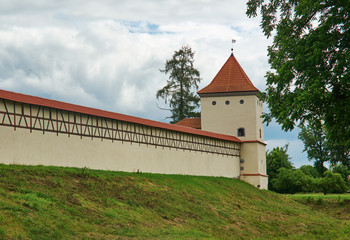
point(225, 94)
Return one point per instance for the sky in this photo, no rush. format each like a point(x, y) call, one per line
point(107, 54)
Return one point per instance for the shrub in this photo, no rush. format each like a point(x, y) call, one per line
point(310, 171)
point(342, 170)
point(333, 183)
point(293, 181)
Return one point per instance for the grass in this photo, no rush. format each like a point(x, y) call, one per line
point(38, 202)
point(345, 196)
point(335, 205)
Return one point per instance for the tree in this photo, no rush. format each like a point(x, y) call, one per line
point(310, 171)
point(320, 149)
point(333, 183)
point(275, 159)
point(181, 87)
point(293, 181)
point(340, 154)
point(316, 145)
point(342, 170)
point(310, 62)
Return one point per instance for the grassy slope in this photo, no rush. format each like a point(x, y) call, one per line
point(335, 205)
point(67, 203)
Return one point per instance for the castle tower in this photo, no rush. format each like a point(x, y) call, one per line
point(230, 105)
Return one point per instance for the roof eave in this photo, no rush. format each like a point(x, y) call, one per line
point(236, 93)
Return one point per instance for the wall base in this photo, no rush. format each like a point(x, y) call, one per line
point(257, 180)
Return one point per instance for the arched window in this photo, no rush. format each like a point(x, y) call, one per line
point(240, 132)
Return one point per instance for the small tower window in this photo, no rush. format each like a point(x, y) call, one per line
point(213, 102)
point(241, 101)
point(260, 132)
point(240, 132)
point(227, 102)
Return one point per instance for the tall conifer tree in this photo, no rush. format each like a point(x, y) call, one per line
point(181, 87)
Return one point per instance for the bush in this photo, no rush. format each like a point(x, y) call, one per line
point(310, 171)
point(333, 183)
point(293, 181)
point(342, 170)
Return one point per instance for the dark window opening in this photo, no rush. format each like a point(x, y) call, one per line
point(260, 132)
point(240, 132)
point(213, 102)
point(227, 102)
point(241, 101)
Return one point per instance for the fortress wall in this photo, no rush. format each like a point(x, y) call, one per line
point(33, 135)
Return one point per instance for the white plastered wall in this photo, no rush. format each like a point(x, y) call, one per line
point(254, 166)
point(227, 118)
point(257, 181)
point(20, 146)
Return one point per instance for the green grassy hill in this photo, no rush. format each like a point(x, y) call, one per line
point(67, 203)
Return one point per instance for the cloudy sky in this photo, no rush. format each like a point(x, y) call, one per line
point(107, 54)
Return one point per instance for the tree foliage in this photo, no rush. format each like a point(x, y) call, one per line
point(342, 170)
point(310, 171)
point(293, 181)
point(320, 149)
point(275, 159)
point(181, 87)
point(315, 145)
point(310, 62)
point(333, 183)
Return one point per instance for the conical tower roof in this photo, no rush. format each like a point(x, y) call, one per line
point(230, 79)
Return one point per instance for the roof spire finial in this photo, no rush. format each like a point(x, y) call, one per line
point(233, 41)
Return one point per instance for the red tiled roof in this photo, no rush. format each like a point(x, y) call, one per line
point(23, 98)
point(230, 78)
point(190, 122)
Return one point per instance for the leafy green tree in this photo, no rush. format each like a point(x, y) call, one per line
point(320, 149)
point(316, 145)
point(293, 181)
point(310, 62)
point(182, 85)
point(310, 171)
point(342, 170)
point(340, 154)
point(333, 183)
point(275, 159)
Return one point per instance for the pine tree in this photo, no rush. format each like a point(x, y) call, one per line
point(181, 87)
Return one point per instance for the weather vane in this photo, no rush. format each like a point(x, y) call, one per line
point(233, 41)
